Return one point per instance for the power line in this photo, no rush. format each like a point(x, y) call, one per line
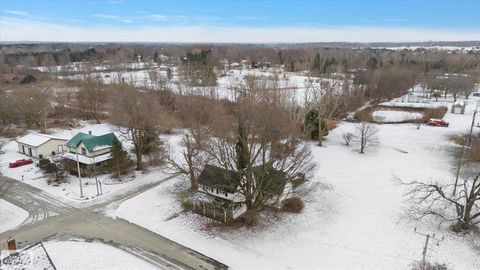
point(429, 239)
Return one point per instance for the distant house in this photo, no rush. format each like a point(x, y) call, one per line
point(89, 149)
point(40, 145)
point(458, 107)
point(223, 189)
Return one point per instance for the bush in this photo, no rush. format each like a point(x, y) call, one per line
point(44, 163)
point(331, 124)
point(48, 167)
point(434, 113)
point(364, 115)
point(293, 205)
point(348, 137)
point(187, 205)
point(28, 79)
point(249, 219)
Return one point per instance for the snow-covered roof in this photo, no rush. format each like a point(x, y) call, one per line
point(91, 142)
point(459, 103)
point(36, 139)
point(88, 160)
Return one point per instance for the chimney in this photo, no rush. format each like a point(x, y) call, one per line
point(89, 132)
point(12, 245)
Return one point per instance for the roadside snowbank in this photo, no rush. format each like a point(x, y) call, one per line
point(10, 216)
point(92, 255)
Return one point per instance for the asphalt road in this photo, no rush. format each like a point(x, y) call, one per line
point(49, 218)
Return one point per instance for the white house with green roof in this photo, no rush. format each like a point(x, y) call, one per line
point(90, 149)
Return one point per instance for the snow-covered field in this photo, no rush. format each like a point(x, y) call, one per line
point(395, 116)
point(292, 86)
point(32, 175)
point(10, 216)
point(92, 255)
point(437, 47)
point(360, 223)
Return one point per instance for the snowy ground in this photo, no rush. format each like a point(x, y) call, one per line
point(292, 86)
point(395, 116)
point(10, 216)
point(32, 175)
point(92, 255)
point(361, 223)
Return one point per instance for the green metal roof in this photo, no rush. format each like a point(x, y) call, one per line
point(92, 142)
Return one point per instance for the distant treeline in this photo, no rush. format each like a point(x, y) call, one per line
point(316, 57)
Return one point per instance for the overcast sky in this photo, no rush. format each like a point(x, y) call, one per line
point(239, 21)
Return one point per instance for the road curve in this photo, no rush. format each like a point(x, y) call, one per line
point(50, 218)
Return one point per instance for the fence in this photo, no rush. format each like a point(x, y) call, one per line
point(217, 213)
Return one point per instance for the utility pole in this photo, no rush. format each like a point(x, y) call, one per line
point(95, 173)
point(465, 147)
point(79, 174)
point(471, 128)
point(428, 240)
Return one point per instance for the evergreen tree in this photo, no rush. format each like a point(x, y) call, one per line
point(152, 140)
point(120, 163)
point(311, 125)
point(241, 148)
point(317, 63)
point(280, 58)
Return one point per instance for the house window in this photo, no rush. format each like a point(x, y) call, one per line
point(226, 194)
point(84, 151)
point(216, 190)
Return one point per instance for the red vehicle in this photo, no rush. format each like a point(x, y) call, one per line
point(437, 123)
point(20, 162)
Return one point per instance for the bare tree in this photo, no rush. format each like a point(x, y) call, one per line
point(388, 83)
point(191, 161)
point(263, 145)
point(36, 105)
point(434, 199)
point(8, 111)
point(202, 117)
point(92, 97)
point(323, 99)
point(138, 114)
point(365, 134)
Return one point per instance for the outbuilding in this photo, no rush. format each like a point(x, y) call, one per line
point(458, 107)
point(40, 145)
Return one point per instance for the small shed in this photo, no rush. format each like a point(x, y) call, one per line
point(458, 107)
point(40, 145)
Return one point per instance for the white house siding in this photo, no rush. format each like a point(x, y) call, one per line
point(45, 150)
point(235, 197)
point(94, 153)
point(239, 211)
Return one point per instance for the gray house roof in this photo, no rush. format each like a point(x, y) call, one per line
point(271, 180)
